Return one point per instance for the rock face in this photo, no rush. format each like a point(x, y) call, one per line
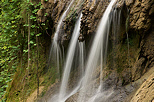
point(141, 14)
point(52, 9)
point(92, 13)
point(136, 21)
point(146, 92)
point(146, 57)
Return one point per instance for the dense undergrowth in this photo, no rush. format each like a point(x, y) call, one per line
point(22, 60)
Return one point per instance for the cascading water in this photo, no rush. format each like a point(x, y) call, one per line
point(97, 50)
point(81, 60)
point(128, 50)
point(60, 22)
point(81, 57)
point(69, 61)
point(116, 18)
point(127, 38)
point(88, 83)
point(55, 51)
point(103, 56)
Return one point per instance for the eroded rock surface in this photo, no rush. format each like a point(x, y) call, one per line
point(137, 15)
point(52, 9)
point(141, 14)
point(146, 57)
point(146, 92)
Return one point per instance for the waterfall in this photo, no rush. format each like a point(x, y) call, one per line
point(88, 83)
point(81, 57)
point(128, 39)
point(128, 49)
point(55, 39)
point(69, 61)
point(81, 60)
point(97, 49)
point(55, 51)
point(116, 18)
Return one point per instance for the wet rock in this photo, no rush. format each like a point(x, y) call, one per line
point(111, 80)
point(140, 19)
point(126, 76)
point(137, 69)
point(92, 13)
point(81, 37)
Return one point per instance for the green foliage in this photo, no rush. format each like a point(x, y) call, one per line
point(13, 36)
point(9, 21)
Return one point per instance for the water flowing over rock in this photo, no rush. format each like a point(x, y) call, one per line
point(118, 57)
point(98, 49)
point(77, 50)
point(69, 60)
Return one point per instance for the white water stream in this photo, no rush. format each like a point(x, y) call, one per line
point(97, 50)
point(96, 59)
point(60, 22)
point(55, 51)
point(69, 61)
point(82, 57)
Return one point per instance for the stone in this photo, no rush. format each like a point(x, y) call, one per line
point(151, 10)
point(129, 2)
point(146, 91)
point(142, 15)
point(137, 69)
point(137, 3)
point(81, 38)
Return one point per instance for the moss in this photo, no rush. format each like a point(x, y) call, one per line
point(119, 58)
point(108, 74)
point(20, 91)
point(20, 88)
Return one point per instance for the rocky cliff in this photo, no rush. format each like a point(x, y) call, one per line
point(136, 18)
